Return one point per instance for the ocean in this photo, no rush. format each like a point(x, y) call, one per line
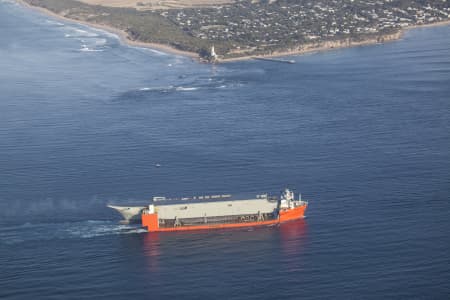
point(363, 133)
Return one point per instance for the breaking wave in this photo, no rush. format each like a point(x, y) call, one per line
point(51, 22)
point(84, 48)
point(90, 40)
point(164, 89)
point(181, 88)
point(167, 89)
point(154, 51)
point(76, 32)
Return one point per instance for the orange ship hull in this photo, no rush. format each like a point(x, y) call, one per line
point(151, 221)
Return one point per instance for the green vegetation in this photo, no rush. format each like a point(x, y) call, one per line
point(145, 26)
point(249, 27)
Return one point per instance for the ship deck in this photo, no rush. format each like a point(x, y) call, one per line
point(235, 219)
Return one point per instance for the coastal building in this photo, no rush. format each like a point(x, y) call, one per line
point(213, 54)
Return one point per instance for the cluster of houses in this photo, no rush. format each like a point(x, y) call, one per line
point(251, 24)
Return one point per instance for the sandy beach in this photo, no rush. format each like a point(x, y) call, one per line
point(122, 35)
point(299, 50)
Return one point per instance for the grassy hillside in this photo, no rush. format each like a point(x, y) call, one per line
point(145, 26)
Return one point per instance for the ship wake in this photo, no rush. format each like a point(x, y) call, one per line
point(27, 232)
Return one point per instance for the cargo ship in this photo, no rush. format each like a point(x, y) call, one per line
point(216, 211)
point(221, 211)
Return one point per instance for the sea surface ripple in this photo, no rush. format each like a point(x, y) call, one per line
point(362, 133)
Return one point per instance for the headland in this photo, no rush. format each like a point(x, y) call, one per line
point(241, 30)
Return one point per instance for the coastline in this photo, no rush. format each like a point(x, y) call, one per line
point(338, 44)
point(122, 35)
point(321, 47)
point(299, 50)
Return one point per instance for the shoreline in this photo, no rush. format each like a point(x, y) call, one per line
point(299, 50)
point(338, 44)
point(322, 47)
point(122, 35)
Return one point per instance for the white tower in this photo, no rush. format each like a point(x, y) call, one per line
point(213, 53)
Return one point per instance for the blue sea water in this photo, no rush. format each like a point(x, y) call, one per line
point(362, 133)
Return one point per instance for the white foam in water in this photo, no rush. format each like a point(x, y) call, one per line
point(91, 229)
point(56, 231)
point(156, 51)
point(158, 89)
point(107, 33)
point(168, 88)
point(51, 22)
point(73, 32)
point(89, 38)
point(180, 88)
point(84, 48)
point(99, 41)
point(85, 33)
